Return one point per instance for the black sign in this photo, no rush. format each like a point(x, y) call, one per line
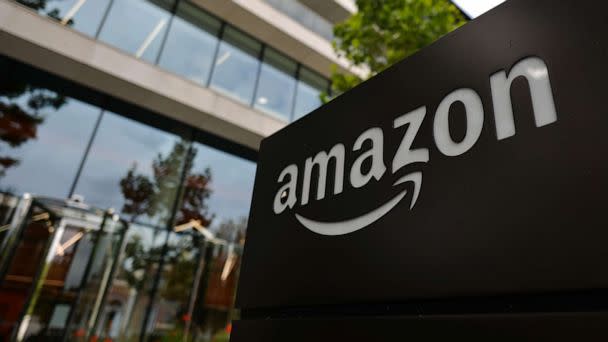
point(476, 167)
point(470, 328)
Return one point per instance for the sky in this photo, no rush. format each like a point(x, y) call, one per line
point(475, 8)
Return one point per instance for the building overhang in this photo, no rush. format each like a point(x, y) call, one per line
point(42, 43)
point(271, 26)
point(333, 10)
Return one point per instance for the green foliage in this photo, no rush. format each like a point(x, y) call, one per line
point(167, 172)
point(384, 32)
point(137, 190)
point(154, 196)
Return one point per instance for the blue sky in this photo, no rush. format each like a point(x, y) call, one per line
point(475, 8)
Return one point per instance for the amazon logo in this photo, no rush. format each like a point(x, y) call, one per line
point(533, 69)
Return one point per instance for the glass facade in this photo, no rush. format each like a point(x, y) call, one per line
point(192, 33)
point(134, 168)
point(182, 38)
point(135, 224)
point(137, 26)
point(84, 16)
point(236, 66)
point(305, 16)
point(276, 85)
point(46, 118)
point(309, 90)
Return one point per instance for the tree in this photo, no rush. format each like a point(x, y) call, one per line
point(384, 32)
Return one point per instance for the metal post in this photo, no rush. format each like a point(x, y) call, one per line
point(170, 224)
point(86, 275)
point(19, 331)
point(106, 283)
point(220, 34)
point(292, 113)
point(203, 287)
point(258, 74)
point(195, 287)
point(10, 242)
point(85, 155)
point(103, 19)
point(167, 31)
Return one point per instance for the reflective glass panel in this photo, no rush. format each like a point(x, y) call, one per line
point(178, 288)
point(83, 15)
point(105, 250)
point(276, 85)
point(305, 16)
point(137, 26)
point(133, 168)
point(21, 275)
point(217, 190)
point(236, 66)
point(83, 284)
point(310, 87)
point(224, 262)
point(60, 251)
point(8, 205)
point(128, 297)
point(191, 43)
point(43, 137)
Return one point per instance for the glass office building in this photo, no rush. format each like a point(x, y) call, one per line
point(128, 138)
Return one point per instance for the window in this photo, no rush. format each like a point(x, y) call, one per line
point(133, 168)
point(305, 17)
point(187, 43)
point(236, 66)
point(310, 87)
point(179, 285)
point(137, 26)
point(127, 272)
point(82, 15)
point(191, 43)
point(218, 188)
point(276, 84)
point(128, 298)
point(43, 137)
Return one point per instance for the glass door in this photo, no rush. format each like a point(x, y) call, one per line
point(59, 267)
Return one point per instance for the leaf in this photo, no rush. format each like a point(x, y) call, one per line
point(384, 32)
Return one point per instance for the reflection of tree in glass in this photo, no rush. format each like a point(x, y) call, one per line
point(20, 107)
point(167, 172)
point(136, 260)
point(40, 7)
point(181, 268)
point(155, 197)
point(195, 194)
point(137, 190)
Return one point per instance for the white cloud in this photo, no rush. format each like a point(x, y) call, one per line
point(475, 8)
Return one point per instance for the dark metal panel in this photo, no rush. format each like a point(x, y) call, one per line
point(524, 214)
point(539, 327)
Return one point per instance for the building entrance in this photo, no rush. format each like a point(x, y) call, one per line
point(58, 258)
